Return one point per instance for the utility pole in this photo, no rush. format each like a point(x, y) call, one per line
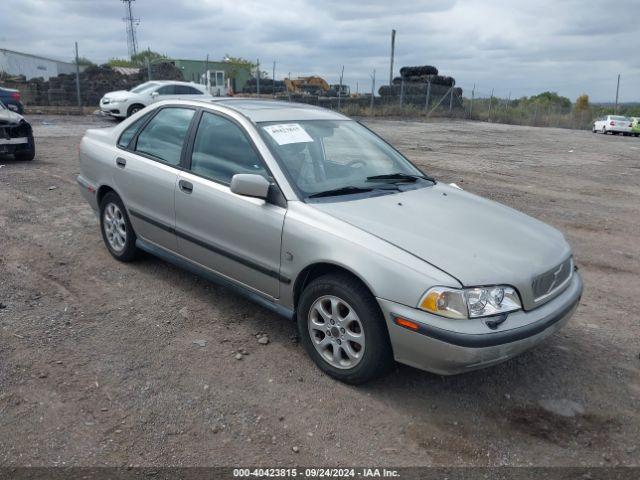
point(451, 97)
point(615, 110)
point(393, 52)
point(426, 101)
point(340, 89)
point(273, 79)
point(131, 24)
point(373, 87)
point(149, 63)
point(78, 80)
point(473, 94)
point(207, 75)
point(258, 76)
point(490, 102)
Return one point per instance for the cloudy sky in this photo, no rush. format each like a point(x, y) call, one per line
point(518, 46)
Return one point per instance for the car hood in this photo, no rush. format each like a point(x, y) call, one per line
point(477, 241)
point(9, 117)
point(118, 94)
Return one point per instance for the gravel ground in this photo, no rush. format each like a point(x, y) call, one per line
point(103, 363)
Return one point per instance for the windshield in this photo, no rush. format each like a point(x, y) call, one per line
point(326, 155)
point(144, 87)
point(619, 118)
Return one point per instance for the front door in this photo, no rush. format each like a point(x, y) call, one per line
point(146, 174)
point(238, 237)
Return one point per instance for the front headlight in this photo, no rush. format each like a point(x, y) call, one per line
point(470, 302)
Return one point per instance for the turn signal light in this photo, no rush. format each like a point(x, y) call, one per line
point(406, 324)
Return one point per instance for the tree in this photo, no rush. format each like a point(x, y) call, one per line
point(582, 103)
point(138, 60)
point(83, 62)
point(141, 58)
point(236, 64)
point(550, 98)
point(120, 62)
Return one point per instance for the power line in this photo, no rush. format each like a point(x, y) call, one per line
point(131, 24)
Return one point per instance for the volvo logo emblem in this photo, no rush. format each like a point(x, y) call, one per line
point(556, 275)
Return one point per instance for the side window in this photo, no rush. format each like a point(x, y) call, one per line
point(164, 135)
point(167, 90)
point(221, 150)
point(187, 90)
point(130, 131)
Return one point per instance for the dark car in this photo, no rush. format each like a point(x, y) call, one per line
point(11, 99)
point(16, 135)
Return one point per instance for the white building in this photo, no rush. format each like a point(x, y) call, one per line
point(32, 66)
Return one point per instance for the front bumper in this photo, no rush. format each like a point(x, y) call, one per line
point(448, 347)
point(113, 109)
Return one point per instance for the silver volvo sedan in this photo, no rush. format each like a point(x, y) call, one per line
point(312, 215)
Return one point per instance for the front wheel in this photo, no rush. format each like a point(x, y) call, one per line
point(133, 109)
point(29, 153)
point(117, 232)
point(342, 329)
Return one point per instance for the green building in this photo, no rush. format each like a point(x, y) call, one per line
point(194, 71)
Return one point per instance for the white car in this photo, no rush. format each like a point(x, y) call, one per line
point(124, 103)
point(612, 124)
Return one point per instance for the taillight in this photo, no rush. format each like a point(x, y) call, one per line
point(15, 95)
point(612, 123)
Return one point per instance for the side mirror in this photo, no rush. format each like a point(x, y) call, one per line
point(154, 94)
point(250, 185)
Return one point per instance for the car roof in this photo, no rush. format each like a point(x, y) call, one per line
point(178, 82)
point(276, 111)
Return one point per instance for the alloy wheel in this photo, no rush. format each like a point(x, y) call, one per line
point(336, 332)
point(115, 227)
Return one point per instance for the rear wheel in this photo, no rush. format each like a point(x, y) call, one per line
point(342, 329)
point(117, 232)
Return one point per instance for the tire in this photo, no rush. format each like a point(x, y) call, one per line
point(29, 154)
point(133, 109)
point(117, 232)
point(361, 340)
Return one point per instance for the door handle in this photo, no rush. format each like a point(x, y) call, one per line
point(121, 162)
point(186, 187)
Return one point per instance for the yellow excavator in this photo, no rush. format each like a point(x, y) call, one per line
point(307, 86)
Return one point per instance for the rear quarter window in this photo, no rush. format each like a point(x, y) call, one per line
point(130, 131)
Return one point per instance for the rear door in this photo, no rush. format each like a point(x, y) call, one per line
point(187, 92)
point(166, 92)
point(146, 172)
point(236, 236)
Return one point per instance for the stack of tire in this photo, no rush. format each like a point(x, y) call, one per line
point(413, 84)
point(96, 80)
point(267, 86)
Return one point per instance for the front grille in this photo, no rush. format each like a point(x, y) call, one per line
point(15, 131)
point(547, 283)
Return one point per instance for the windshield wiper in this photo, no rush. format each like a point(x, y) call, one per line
point(405, 177)
point(340, 191)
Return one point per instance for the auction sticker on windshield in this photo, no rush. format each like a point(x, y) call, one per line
point(287, 133)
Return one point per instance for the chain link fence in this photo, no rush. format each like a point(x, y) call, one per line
point(422, 95)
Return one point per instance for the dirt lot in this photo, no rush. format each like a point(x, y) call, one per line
point(98, 364)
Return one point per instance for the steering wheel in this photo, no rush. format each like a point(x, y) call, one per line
point(355, 164)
